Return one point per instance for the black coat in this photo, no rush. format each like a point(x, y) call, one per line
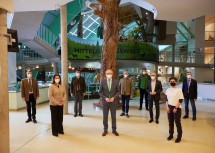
point(192, 94)
point(158, 90)
point(75, 81)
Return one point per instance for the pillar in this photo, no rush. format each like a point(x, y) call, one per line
point(64, 52)
point(173, 59)
point(4, 102)
point(23, 71)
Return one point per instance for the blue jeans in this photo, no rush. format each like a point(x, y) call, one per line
point(186, 101)
point(125, 103)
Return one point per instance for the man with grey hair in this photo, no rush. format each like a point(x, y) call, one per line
point(126, 93)
point(109, 92)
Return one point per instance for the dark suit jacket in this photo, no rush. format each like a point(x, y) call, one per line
point(25, 89)
point(114, 92)
point(192, 94)
point(75, 81)
point(158, 90)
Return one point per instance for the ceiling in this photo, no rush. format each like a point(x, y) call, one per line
point(38, 5)
point(182, 10)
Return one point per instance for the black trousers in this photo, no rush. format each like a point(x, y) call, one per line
point(78, 97)
point(157, 107)
point(177, 118)
point(186, 102)
point(106, 107)
point(31, 105)
point(143, 93)
point(57, 119)
point(125, 103)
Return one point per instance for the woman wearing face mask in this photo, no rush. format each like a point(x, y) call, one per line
point(57, 96)
point(173, 107)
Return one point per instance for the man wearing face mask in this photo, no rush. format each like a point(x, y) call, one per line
point(78, 90)
point(142, 85)
point(109, 92)
point(30, 93)
point(126, 93)
point(154, 88)
point(189, 88)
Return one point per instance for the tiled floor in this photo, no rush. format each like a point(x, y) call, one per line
point(83, 135)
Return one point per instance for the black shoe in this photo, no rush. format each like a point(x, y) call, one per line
point(177, 140)
point(169, 137)
point(185, 116)
point(61, 133)
point(56, 135)
point(104, 133)
point(28, 120)
point(157, 122)
point(75, 115)
point(115, 133)
point(122, 114)
point(140, 108)
point(81, 115)
point(150, 121)
point(127, 115)
point(34, 120)
point(194, 118)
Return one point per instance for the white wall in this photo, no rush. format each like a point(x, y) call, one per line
point(204, 74)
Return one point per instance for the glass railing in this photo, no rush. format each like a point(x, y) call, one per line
point(182, 37)
point(47, 35)
point(182, 56)
point(209, 35)
point(28, 55)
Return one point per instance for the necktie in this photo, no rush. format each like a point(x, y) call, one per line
point(109, 84)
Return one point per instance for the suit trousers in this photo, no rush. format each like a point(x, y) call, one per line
point(143, 93)
point(106, 106)
point(157, 107)
point(31, 105)
point(78, 97)
point(125, 103)
point(175, 117)
point(186, 101)
point(57, 119)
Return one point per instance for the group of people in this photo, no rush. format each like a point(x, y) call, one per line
point(110, 91)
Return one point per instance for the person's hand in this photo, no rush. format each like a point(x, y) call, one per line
point(84, 94)
point(112, 99)
point(168, 110)
point(150, 93)
point(107, 99)
point(120, 96)
point(174, 110)
point(154, 93)
point(23, 99)
point(131, 96)
point(195, 99)
point(37, 97)
point(138, 91)
point(72, 95)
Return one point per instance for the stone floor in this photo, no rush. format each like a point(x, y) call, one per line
point(83, 135)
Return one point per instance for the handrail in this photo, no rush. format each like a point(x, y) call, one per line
point(188, 30)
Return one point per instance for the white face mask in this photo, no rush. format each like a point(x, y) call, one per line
point(125, 76)
point(144, 73)
point(78, 74)
point(29, 75)
point(153, 77)
point(109, 76)
point(189, 76)
point(57, 81)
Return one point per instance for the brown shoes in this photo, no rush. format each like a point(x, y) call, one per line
point(104, 133)
point(115, 133)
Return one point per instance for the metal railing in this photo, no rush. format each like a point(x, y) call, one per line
point(28, 55)
point(184, 56)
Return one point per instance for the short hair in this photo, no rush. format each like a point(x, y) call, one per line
point(77, 70)
point(53, 79)
point(173, 78)
point(189, 72)
point(144, 69)
point(29, 70)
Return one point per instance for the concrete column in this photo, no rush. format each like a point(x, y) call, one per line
point(64, 52)
point(173, 59)
point(4, 102)
point(23, 71)
point(55, 68)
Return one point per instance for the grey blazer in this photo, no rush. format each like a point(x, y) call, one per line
point(114, 92)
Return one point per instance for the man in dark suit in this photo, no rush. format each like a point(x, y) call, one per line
point(78, 89)
point(30, 93)
point(109, 93)
point(154, 88)
point(189, 89)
